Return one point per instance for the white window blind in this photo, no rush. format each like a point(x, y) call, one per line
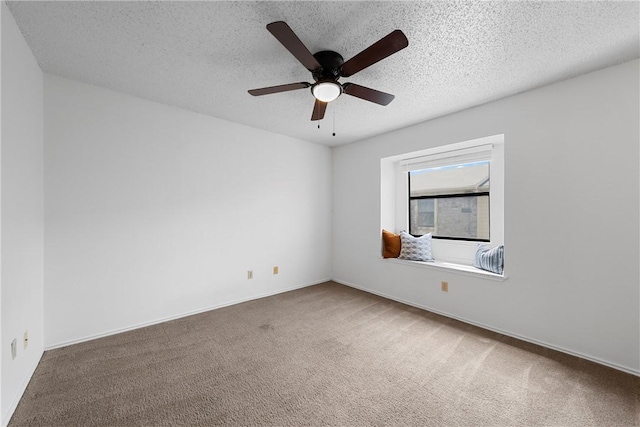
point(446, 158)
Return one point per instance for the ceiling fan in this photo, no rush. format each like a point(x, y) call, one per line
point(328, 66)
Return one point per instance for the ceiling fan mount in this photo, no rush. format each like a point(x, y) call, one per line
point(327, 88)
point(327, 67)
point(330, 63)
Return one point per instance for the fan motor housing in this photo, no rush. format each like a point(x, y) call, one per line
point(331, 62)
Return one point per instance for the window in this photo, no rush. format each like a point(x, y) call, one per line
point(451, 202)
point(455, 192)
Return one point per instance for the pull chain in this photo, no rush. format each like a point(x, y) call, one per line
point(334, 122)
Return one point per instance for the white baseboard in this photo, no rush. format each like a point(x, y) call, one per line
point(177, 316)
point(16, 399)
point(628, 370)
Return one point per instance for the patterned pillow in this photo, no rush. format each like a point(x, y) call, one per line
point(415, 248)
point(490, 259)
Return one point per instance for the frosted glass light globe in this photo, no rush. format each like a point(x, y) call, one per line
point(326, 91)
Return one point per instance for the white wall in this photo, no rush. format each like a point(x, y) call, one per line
point(21, 196)
point(1, 340)
point(153, 212)
point(571, 208)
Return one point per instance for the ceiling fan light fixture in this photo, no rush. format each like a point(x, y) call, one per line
point(326, 91)
point(327, 66)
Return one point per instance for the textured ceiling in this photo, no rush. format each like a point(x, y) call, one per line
point(204, 56)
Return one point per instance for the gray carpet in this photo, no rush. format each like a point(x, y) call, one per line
point(322, 355)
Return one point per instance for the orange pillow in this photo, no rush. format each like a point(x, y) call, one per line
point(391, 244)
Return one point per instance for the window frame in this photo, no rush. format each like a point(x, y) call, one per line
point(394, 207)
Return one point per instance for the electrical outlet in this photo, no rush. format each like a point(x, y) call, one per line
point(275, 270)
point(444, 286)
point(249, 274)
point(14, 348)
point(25, 341)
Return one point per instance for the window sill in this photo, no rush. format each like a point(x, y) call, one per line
point(466, 270)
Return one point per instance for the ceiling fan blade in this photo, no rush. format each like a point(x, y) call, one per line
point(386, 46)
point(318, 110)
point(367, 94)
point(277, 89)
point(288, 38)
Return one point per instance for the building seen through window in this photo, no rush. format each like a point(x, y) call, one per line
point(451, 201)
